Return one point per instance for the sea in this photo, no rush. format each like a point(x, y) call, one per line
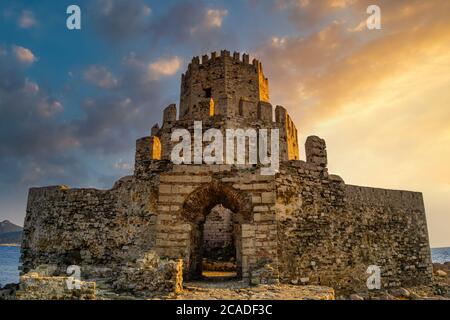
point(440, 255)
point(9, 262)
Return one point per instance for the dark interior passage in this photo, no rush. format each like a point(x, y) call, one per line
point(218, 245)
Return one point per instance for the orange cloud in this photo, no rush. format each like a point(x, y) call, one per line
point(332, 66)
point(380, 98)
point(24, 55)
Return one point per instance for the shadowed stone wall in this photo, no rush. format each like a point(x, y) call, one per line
point(218, 229)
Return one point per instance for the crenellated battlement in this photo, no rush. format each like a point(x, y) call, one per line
point(224, 54)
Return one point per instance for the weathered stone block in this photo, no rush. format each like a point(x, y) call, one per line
point(34, 286)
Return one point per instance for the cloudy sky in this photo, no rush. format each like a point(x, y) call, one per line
point(72, 103)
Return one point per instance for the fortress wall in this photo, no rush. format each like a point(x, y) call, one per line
point(393, 234)
point(88, 227)
point(383, 197)
point(329, 233)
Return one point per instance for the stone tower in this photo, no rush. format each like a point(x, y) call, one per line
point(223, 92)
point(227, 80)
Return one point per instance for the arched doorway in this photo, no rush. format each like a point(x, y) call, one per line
point(197, 208)
point(221, 236)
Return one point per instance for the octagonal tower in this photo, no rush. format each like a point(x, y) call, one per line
point(225, 79)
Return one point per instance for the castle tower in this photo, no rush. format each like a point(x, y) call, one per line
point(225, 79)
point(224, 92)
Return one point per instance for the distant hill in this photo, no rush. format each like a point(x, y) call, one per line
point(6, 226)
point(10, 233)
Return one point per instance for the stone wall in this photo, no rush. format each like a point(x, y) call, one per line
point(218, 229)
point(289, 148)
point(302, 225)
point(252, 116)
point(329, 233)
point(66, 226)
point(392, 233)
point(150, 276)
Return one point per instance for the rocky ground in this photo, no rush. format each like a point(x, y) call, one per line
point(439, 290)
point(8, 292)
point(442, 270)
point(235, 290)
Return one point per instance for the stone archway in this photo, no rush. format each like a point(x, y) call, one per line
point(196, 208)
